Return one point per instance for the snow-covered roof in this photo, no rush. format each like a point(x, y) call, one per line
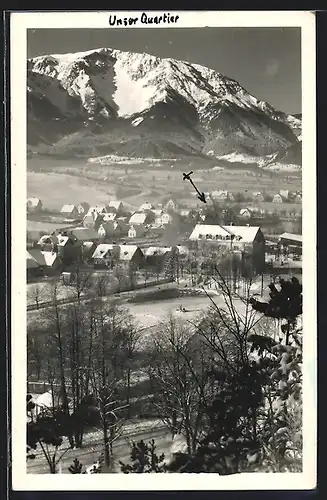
point(245, 233)
point(127, 251)
point(48, 238)
point(44, 400)
point(115, 204)
point(43, 258)
point(149, 252)
point(31, 263)
point(292, 237)
point(102, 250)
point(146, 206)
point(62, 240)
point(111, 216)
point(33, 202)
point(98, 209)
point(138, 218)
point(68, 209)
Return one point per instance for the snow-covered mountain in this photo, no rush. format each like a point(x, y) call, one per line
point(109, 101)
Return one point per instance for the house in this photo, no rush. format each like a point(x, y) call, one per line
point(249, 240)
point(185, 212)
point(99, 209)
point(121, 228)
point(287, 239)
point(93, 220)
point(277, 198)
point(83, 208)
point(258, 196)
point(170, 205)
point(34, 205)
point(157, 212)
point(138, 218)
point(285, 194)
point(297, 197)
point(109, 217)
point(88, 249)
point(116, 206)
point(32, 267)
point(131, 255)
point(245, 213)
point(106, 229)
point(69, 211)
point(48, 242)
point(145, 206)
point(69, 248)
point(136, 231)
point(107, 255)
point(48, 262)
point(156, 256)
point(164, 219)
point(84, 234)
point(221, 195)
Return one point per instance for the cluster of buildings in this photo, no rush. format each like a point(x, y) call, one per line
point(283, 196)
point(61, 250)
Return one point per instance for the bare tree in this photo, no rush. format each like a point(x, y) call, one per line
point(179, 379)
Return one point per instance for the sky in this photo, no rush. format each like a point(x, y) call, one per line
point(265, 61)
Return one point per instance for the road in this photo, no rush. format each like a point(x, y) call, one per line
point(93, 447)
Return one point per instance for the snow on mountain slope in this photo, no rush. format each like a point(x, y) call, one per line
point(176, 100)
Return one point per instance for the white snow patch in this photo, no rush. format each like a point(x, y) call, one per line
point(125, 160)
point(239, 158)
point(137, 121)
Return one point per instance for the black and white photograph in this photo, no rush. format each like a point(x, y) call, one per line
point(163, 192)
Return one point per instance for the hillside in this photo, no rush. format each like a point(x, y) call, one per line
point(107, 101)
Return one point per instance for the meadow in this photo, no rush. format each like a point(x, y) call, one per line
point(57, 182)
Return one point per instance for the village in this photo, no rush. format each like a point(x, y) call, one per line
point(166, 241)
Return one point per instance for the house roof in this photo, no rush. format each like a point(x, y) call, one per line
point(146, 206)
point(115, 204)
point(102, 250)
point(151, 251)
point(84, 204)
point(88, 244)
point(62, 240)
point(219, 193)
point(68, 209)
point(48, 238)
point(127, 251)
point(246, 233)
point(138, 218)
point(97, 208)
point(138, 229)
point(284, 193)
point(31, 263)
point(43, 258)
point(107, 226)
point(292, 237)
point(157, 211)
point(85, 233)
point(109, 216)
point(33, 201)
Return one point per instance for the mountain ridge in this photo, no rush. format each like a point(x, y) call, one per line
point(116, 97)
